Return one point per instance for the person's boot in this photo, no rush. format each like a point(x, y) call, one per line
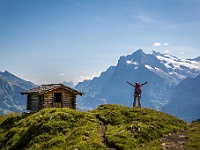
point(134, 105)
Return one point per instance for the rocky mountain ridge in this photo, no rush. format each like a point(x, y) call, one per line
point(10, 97)
point(162, 71)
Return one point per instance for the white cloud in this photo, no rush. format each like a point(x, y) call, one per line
point(62, 74)
point(156, 44)
point(166, 44)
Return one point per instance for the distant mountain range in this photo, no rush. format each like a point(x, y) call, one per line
point(185, 102)
point(70, 84)
point(162, 71)
point(173, 85)
point(10, 87)
point(10, 97)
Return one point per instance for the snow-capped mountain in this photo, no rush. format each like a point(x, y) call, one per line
point(162, 71)
point(176, 68)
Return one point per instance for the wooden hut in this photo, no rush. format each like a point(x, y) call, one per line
point(51, 95)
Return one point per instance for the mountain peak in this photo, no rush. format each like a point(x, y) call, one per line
point(6, 73)
point(154, 53)
point(135, 58)
point(70, 83)
point(139, 52)
point(137, 55)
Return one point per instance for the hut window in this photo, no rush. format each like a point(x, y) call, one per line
point(57, 97)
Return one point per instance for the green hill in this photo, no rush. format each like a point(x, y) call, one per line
point(107, 127)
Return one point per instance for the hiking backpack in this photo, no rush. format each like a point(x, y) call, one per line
point(138, 90)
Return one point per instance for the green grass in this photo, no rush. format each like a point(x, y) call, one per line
point(50, 129)
point(68, 129)
point(194, 136)
point(128, 128)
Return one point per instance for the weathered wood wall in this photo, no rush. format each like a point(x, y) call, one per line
point(36, 102)
point(32, 103)
point(48, 99)
point(68, 99)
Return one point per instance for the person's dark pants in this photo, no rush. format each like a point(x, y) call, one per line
point(136, 97)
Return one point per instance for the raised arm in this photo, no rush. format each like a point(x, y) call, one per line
point(130, 84)
point(144, 83)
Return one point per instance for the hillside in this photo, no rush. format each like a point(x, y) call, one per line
point(10, 98)
point(107, 127)
point(185, 102)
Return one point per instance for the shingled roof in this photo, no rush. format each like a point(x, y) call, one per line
point(49, 87)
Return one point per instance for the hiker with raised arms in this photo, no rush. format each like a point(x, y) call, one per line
point(137, 92)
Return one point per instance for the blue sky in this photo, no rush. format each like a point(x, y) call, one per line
point(51, 41)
